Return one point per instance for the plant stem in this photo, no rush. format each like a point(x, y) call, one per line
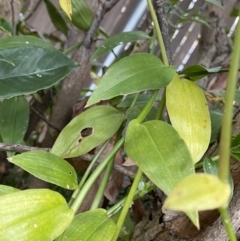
point(161, 105)
point(102, 187)
point(225, 140)
point(80, 197)
point(87, 173)
point(71, 48)
point(158, 32)
point(227, 224)
point(127, 204)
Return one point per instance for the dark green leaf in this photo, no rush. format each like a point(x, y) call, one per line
point(216, 122)
point(235, 12)
point(47, 167)
point(36, 215)
point(133, 113)
point(196, 72)
point(5, 26)
point(37, 66)
point(82, 15)
point(119, 39)
point(14, 116)
point(235, 141)
point(132, 74)
point(91, 226)
point(101, 123)
point(56, 17)
point(7, 189)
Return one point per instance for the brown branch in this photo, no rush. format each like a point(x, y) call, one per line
point(86, 157)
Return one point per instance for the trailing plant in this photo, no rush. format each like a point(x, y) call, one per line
point(166, 152)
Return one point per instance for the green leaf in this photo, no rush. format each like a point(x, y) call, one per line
point(132, 74)
point(119, 39)
point(142, 99)
point(37, 215)
point(216, 123)
point(2, 58)
point(198, 192)
point(7, 189)
point(189, 115)
point(102, 122)
point(196, 72)
point(235, 142)
point(91, 226)
point(56, 17)
point(5, 26)
point(82, 15)
point(14, 116)
point(37, 66)
point(211, 167)
point(133, 113)
point(215, 2)
point(47, 167)
point(235, 12)
point(160, 152)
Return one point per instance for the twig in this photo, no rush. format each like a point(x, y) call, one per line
point(44, 118)
point(162, 20)
point(20, 148)
point(86, 157)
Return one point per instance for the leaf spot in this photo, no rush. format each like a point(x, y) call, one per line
point(35, 225)
point(39, 75)
point(88, 131)
point(70, 173)
point(68, 152)
point(68, 187)
point(27, 42)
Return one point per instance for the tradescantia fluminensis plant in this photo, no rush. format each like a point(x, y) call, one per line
point(166, 153)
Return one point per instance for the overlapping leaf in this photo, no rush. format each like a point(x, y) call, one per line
point(119, 39)
point(7, 189)
point(199, 192)
point(36, 65)
point(91, 226)
point(132, 74)
point(33, 215)
point(47, 167)
point(161, 154)
point(189, 115)
point(66, 6)
point(14, 115)
point(101, 122)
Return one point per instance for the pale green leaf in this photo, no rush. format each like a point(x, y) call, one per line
point(199, 192)
point(189, 115)
point(36, 214)
point(7, 189)
point(47, 167)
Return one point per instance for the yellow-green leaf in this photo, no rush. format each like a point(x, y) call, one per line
point(66, 6)
point(189, 115)
point(198, 192)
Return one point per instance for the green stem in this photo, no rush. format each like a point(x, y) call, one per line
point(158, 32)
point(127, 204)
point(138, 194)
point(79, 199)
point(225, 141)
point(227, 224)
point(161, 105)
point(98, 198)
point(86, 174)
point(71, 48)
